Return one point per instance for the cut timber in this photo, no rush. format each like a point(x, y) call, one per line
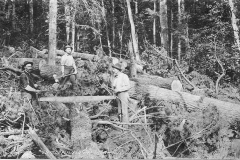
point(18, 62)
point(83, 56)
point(76, 99)
point(40, 143)
point(168, 83)
point(47, 71)
point(229, 111)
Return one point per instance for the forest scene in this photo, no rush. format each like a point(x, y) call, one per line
point(119, 79)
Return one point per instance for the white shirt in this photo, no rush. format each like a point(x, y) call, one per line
point(67, 60)
point(121, 83)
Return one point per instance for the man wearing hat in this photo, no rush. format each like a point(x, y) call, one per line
point(27, 84)
point(68, 66)
point(121, 85)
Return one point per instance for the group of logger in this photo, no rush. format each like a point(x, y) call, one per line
point(120, 83)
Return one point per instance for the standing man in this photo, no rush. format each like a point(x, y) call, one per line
point(121, 85)
point(68, 66)
point(27, 84)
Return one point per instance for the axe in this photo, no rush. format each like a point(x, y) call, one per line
point(56, 84)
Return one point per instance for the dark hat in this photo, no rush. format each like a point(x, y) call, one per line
point(67, 46)
point(117, 66)
point(25, 63)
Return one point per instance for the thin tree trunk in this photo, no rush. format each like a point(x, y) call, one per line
point(52, 32)
point(163, 23)
point(73, 24)
point(13, 15)
point(108, 41)
point(31, 15)
point(179, 39)
point(154, 23)
point(67, 18)
point(171, 42)
point(133, 32)
point(8, 9)
point(113, 24)
point(133, 70)
point(234, 23)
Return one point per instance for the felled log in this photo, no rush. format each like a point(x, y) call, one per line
point(76, 99)
point(168, 83)
point(84, 56)
point(40, 143)
point(37, 62)
point(228, 111)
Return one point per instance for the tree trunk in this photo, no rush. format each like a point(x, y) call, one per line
point(13, 14)
point(133, 70)
point(8, 10)
point(234, 23)
point(228, 111)
point(67, 19)
point(52, 31)
point(113, 24)
point(106, 24)
point(154, 23)
point(133, 32)
point(73, 24)
point(31, 15)
point(179, 36)
point(164, 24)
point(83, 146)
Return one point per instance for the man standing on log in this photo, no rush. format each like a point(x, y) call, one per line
point(27, 84)
point(121, 85)
point(68, 66)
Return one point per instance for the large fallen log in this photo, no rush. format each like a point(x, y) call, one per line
point(76, 99)
point(18, 62)
point(229, 111)
point(85, 56)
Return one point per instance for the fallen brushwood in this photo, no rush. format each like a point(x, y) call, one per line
point(40, 143)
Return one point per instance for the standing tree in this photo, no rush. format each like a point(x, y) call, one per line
point(164, 24)
point(154, 22)
point(234, 23)
point(52, 32)
point(31, 15)
point(73, 11)
point(133, 33)
point(13, 14)
point(67, 19)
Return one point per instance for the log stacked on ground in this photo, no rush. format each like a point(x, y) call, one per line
point(229, 111)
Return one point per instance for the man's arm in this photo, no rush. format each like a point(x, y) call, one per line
point(25, 84)
point(75, 67)
point(62, 65)
point(31, 89)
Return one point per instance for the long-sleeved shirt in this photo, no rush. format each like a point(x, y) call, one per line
point(25, 80)
point(121, 83)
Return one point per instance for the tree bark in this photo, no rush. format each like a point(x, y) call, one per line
point(113, 24)
point(164, 24)
point(234, 23)
point(31, 15)
point(74, 5)
point(179, 36)
point(52, 31)
point(133, 32)
point(154, 23)
point(67, 19)
point(13, 14)
point(228, 111)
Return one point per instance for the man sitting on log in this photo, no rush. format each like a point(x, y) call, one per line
point(27, 84)
point(68, 67)
point(121, 85)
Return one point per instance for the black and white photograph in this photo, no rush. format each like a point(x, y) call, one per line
point(119, 79)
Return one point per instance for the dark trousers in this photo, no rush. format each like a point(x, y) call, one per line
point(71, 78)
